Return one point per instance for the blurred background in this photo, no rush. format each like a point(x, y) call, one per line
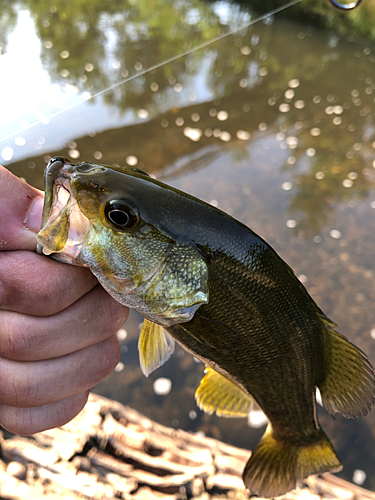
point(267, 115)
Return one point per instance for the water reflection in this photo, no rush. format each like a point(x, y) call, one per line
point(326, 139)
point(274, 124)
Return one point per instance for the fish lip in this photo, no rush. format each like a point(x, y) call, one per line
point(54, 169)
point(58, 196)
point(55, 165)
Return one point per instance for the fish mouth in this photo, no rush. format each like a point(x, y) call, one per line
point(64, 227)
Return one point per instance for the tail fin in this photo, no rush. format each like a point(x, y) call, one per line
point(349, 383)
point(275, 467)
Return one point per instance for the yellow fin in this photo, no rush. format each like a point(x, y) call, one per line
point(155, 346)
point(275, 467)
point(349, 384)
point(218, 394)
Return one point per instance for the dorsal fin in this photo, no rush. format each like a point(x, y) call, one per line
point(155, 346)
point(218, 394)
point(349, 383)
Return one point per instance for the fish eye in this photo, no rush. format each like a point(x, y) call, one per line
point(121, 214)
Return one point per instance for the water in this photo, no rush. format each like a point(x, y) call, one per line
point(273, 124)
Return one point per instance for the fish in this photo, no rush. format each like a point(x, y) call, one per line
point(206, 281)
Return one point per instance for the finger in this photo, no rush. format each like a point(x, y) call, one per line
point(27, 421)
point(93, 318)
point(21, 208)
point(49, 290)
point(37, 383)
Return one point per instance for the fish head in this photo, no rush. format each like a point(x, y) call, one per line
point(120, 223)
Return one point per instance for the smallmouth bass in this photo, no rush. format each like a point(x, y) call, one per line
point(205, 280)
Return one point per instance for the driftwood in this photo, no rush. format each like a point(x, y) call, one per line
point(111, 451)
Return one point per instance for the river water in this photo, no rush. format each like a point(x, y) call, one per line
point(273, 123)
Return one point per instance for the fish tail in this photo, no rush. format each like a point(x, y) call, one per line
point(276, 466)
point(348, 386)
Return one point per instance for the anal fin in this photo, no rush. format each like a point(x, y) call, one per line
point(218, 394)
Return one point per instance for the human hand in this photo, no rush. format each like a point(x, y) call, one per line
point(57, 324)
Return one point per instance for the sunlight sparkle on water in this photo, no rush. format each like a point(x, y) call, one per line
point(359, 477)
point(7, 153)
point(162, 386)
point(315, 131)
point(74, 153)
point(131, 160)
point(225, 136)
point(19, 141)
point(222, 116)
point(119, 367)
point(347, 183)
point(142, 113)
point(289, 94)
point(121, 334)
point(256, 419)
point(286, 186)
point(284, 107)
point(243, 135)
point(293, 84)
point(194, 134)
point(310, 152)
point(335, 234)
point(292, 142)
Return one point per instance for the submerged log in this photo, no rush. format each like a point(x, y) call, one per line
point(111, 451)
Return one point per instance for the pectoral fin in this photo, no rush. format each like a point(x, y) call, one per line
point(218, 394)
point(155, 346)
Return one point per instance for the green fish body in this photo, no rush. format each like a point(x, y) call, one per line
point(202, 278)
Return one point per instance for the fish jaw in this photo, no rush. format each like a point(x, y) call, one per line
point(64, 227)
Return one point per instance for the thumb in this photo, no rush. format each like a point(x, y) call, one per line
point(21, 208)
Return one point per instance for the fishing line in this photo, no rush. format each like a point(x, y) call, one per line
point(152, 68)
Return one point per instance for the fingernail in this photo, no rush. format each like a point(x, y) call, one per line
point(33, 218)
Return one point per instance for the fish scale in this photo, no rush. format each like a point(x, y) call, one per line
point(256, 370)
point(205, 280)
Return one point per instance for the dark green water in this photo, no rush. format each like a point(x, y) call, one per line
point(275, 124)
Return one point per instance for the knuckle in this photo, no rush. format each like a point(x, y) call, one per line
point(110, 313)
point(110, 356)
point(18, 390)
point(119, 314)
point(49, 295)
point(14, 338)
point(27, 421)
point(16, 420)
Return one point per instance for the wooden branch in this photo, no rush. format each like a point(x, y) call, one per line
point(111, 451)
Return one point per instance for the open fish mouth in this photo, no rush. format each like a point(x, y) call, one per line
point(64, 227)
